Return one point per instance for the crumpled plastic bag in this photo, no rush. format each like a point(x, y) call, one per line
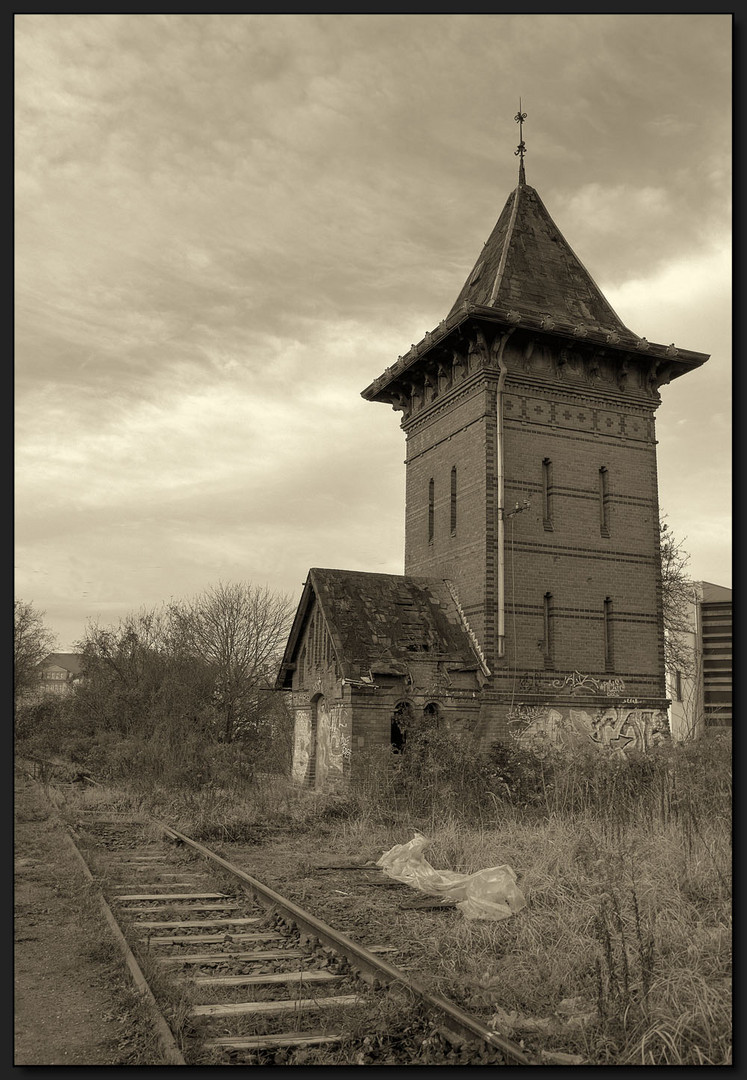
point(488, 894)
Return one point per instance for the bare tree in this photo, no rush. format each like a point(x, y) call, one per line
point(128, 649)
point(139, 673)
point(677, 595)
point(239, 630)
point(32, 642)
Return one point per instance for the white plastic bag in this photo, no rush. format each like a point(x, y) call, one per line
point(488, 894)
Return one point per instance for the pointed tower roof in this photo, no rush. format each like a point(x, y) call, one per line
point(528, 266)
point(528, 277)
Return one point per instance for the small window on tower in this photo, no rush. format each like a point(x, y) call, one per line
point(604, 511)
point(547, 494)
point(431, 508)
point(453, 500)
point(608, 658)
point(547, 631)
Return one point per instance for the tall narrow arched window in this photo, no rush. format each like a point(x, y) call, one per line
point(547, 630)
point(547, 494)
point(431, 508)
point(604, 513)
point(608, 655)
point(453, 500)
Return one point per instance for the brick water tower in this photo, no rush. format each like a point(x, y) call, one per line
point(531, 484)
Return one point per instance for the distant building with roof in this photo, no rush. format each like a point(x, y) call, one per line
point(531, 600)
point(701, 696)
point(59, 673)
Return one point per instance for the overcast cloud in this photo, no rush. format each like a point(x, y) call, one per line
point(227, 226)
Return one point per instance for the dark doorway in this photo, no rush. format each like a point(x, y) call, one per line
point(432, 714)
point(402, 718)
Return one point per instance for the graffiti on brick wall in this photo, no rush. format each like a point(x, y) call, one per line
point(616, 728)
point(624, 728)
point(301, 745)
point(578, 683)
point(575, 683)
point(322, 742)
point(333, 742)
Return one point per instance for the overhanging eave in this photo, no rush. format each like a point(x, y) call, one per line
point(679, 361)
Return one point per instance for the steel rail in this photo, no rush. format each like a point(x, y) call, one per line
point(170, 1049)
point(457, 1022)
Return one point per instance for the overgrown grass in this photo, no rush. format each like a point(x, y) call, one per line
point(623, 953)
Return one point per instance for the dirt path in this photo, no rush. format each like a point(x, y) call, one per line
point(73, 1002)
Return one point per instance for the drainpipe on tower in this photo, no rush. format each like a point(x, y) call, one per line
point(501, 524)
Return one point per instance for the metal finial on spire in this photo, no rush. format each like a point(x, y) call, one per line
point(521, 148)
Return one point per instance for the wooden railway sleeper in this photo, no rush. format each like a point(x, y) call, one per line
point(456, 1025)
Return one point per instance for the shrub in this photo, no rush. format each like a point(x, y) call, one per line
point(40, 726)
point(518, 775)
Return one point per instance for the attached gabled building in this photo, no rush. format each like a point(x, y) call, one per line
point(367, 656)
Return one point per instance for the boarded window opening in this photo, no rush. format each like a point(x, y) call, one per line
point(431, 510)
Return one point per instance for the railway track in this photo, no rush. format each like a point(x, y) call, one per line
point(238, 974)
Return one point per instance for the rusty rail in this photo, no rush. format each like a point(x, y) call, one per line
point(455, 1021)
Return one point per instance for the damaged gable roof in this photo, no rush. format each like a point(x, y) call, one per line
point(380, 622)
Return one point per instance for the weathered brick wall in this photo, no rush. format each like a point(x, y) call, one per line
point(322, 720)
point(458, 433)
point(589, 544)
point(302, 768)
point(582, 555)
point(316, 668)
point(373, 711)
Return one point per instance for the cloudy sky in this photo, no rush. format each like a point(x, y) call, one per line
point(227, 226)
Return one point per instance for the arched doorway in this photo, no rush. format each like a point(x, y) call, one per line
point(402, 722)
point(432, 714)
point(429, 725)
